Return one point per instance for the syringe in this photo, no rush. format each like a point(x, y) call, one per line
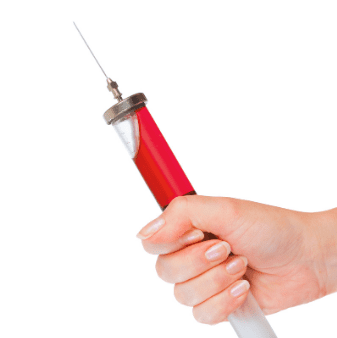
point(166, 180)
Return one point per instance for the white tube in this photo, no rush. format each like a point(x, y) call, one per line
point(249, 321)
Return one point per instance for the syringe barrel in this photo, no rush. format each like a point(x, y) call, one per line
point(166, 179)
point(153, 156)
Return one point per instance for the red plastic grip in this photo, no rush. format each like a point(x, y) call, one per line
point(157, 163)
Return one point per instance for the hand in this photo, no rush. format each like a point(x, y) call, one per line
point(291, 255)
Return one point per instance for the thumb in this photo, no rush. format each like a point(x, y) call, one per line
point(217, 215)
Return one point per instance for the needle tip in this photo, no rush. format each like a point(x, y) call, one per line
point(90, 49)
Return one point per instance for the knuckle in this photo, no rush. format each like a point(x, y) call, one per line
point(182, 296)
point(148, 247)
point(178, 294)
point(159, 267)
point(197, 315)
point(178, 204)
point(232, 207)
point(162, 271)
point(204, 317)
point(219, 276)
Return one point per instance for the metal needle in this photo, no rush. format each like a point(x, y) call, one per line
point(112, 85)
point(90, 50)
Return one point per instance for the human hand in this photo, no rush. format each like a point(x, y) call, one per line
point(292, 256)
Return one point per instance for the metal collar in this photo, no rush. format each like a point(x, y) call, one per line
point(128, 105)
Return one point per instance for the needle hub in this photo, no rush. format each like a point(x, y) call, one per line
point(113, 87)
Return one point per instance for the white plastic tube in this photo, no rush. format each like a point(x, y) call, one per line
point(249, 321)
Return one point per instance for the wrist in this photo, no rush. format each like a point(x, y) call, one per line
point(325, 234)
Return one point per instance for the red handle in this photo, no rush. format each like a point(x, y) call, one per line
point(157, 163)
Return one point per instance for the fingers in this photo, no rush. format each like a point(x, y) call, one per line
point(209, 214)
point(210, 283)
point(191, 261)
point(206, 279)
point(190, 237)
point(217, 308)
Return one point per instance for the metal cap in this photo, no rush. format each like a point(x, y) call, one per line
point(124, 107)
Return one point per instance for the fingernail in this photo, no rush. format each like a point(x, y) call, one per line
point(192, 236)
point(218, 251)
point(240, 288)
point(236, 265)
point(151, 228)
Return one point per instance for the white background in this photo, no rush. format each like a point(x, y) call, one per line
point(243, 91)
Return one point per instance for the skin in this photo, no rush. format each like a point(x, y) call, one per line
point(292, 256)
